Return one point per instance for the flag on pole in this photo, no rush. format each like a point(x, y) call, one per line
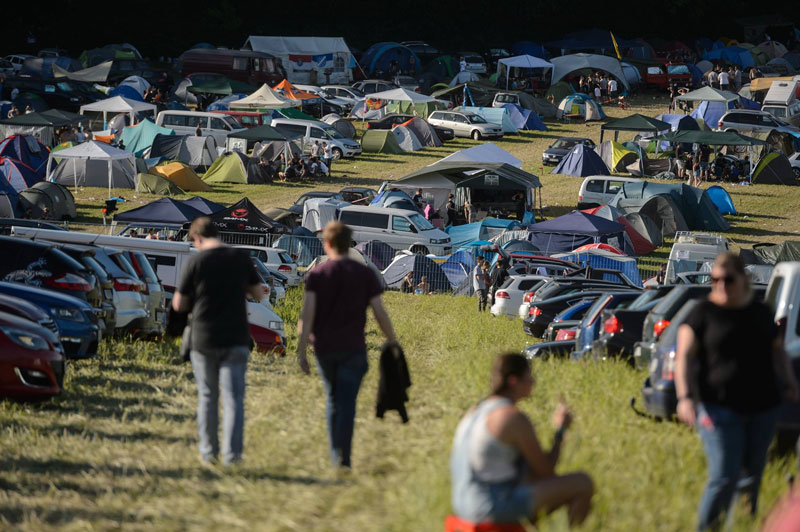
point(616, 48)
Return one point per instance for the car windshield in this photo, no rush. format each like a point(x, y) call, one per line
point(419, 221)
point(564, 144)
point(677, 69)
point(779, 112)
point(356, 92)
point(231, 122)
point(332, 133)
point(64, 86)
point(476, 119)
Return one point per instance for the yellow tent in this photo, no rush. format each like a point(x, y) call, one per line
point(183, 176)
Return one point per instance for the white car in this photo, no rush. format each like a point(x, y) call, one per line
point(276, 260)
point(508, 297)
point(344, 92)
point(465, 124)
point(794, 159)
point(327, 96)
point(17, 60)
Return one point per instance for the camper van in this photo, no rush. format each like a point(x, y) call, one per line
point(690, 251)
point(599, 190)
point(212, 124)
point(242, 65)
point(399, 228)
point(782, 103)
point(314, 130)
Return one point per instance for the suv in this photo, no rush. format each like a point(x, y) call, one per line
point(561, 147)
point(475, 63)
point(662, 76)
point(370, 86)
point(747, 121)
point(465, 124)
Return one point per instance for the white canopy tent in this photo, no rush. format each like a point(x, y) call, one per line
point(310, 60)
point(96, 151)
point(520, 61)
point(708, 94)
point(264, 98)
point(483, 153)
point(120, 105)
point(566, 64)
point(400, 95)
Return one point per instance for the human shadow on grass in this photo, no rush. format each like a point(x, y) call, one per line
point(103, 406)
point(124, 385)
point(55, 516)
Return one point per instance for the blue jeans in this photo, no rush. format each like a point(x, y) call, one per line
point(736, 452)
point(341, 374)
point(212, 368)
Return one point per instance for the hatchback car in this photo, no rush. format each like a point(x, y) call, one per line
point(561, 147)
point(465, 124)
point(344, 92)
point(749, 121)
point(31, 367)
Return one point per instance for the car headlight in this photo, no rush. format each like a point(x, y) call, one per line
point(276, 325)
point(25, 339)
point(440, 240)
point(70, 314)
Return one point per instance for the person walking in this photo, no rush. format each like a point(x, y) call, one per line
point(500, 471)
point(479, 284)
point(730, 374)
point(335, 304)
point(214, 286)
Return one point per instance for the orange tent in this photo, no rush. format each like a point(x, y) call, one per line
point(182, 175)
point(290, 91)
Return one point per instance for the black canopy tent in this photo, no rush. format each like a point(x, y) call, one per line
point(244, 223)
point(635, 122)
point(712, 138)
point(280, 142)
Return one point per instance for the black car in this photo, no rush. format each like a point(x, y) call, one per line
point(561, 147)
point(389, 121)
point(542, 313)
point(595, 279)
point(445, 133)
point(297, 206)
point(56, 93)
point(101, 296)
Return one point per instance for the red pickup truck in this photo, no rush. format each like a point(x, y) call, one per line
point(662, 76)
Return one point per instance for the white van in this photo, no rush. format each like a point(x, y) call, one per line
point(781, 102)
point(314, 130)
point(599, 190)
point(214, 125)
point(399, 228)
point(690, 251)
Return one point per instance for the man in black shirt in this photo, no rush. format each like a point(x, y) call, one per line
point(213, 287)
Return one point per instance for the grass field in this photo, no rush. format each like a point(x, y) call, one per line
point(118, 449)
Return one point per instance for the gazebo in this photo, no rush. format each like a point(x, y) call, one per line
point(264, 98)
point(97, 151)
point(120, 105)
point(521, 61)
point(635, 122)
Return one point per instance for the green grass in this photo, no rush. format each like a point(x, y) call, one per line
point(118, 449)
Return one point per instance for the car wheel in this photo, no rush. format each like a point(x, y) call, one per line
point(419, 250)
point(796, 171)
point(337, 153)
point(731, 131)
point(476, 135)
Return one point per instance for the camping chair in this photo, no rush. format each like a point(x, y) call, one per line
point(454, 524)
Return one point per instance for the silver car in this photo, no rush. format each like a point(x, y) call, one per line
point(746, 121)
point(465, 124)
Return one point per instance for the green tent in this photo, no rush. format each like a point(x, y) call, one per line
point(221, 87)
point(228, 168)
point(139, 138)
point(295, 113)
point(559, 91)
point(421, 109)
point(788, 251)
point(380, 141)
point(774, 169)
point(155, 184)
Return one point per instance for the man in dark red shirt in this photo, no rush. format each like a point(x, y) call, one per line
point(334, 314)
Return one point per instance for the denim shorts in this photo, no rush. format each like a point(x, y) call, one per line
point(511, 502)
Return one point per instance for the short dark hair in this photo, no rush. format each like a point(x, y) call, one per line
point(338, 236)
point(203, 227)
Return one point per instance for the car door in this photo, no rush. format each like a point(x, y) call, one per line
point(403, 230)
point(460, 125)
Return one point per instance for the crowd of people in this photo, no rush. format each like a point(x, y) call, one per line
point(601, 86)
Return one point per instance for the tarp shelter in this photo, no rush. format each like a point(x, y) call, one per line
point(406, 139)
point(400, 95)
point(474, 93)
point(635, 122)
point(567, 64)
point(204, 205)
point(318, 212)
point(424, 132)
point(465, 76)
point(263, 98)
point(695, 206)
point(488, 152)
point(505, 65)
point(94, 74)
point(581, 161)
point(722, 200)
point(380, 253)
point(27, 150)
point(788, 251)
point(244, 218)
point(40, 125)
point(494, 115)
point(380, 141)
point(580, 105)
point(417, 265)
point(378, 58)
point(137, 139)
point(182, 175)
point(119, 105)
point(155, 184)
point(601, 259)
point(63, 200)
point(94, 164)
point(164, 210)
point(312, 60)
point(17, 174)
point(774, 169)
point(575, 229)
point(523, 118)
point(191, 150)
point(615, 155)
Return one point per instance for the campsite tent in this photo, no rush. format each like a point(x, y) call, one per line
point(646, 227)
point(581, 161)
point(400, 95)
point(182, 175)
point(197, 152)
point(308, 59)
point(37, 201)
point(9, 205)
point(318, 212)
point(635, 122)
point(353, 254)
point(505, 65)
point(615, 155)
point(27, 150)
point(378, 58)
point(155, 184)
point(264, 98)
point(488, 152)
point(40, 125)
point(118, 105)
point(94, 164)
point(244, 218)
point(642, 245)
point(774, 169)
point(380, 253)
point(773, 49)
point(465, 76)
point(524, 118)
point(788, 251)
point(575, 229)
point(406, 139)
point(486, 229)
point(293, 93)
point(566, 64)
point(62, 198)
point(424, 132)
point(417, 265)
point(580, 105)
point(204, 205)
point(494, 115)
point(722, 200)
point(16, 174)
point(341, 125)
point(164, 210)
point(137, 139)
point(708, 94)
point(380, 141)
point(229, 167)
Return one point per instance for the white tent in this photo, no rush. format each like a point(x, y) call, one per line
point(137, 83)
point(120, 104)
point(566, 64)
point(400, 95)
point(465, 76)
point(97, 73)
point(309, 60)
point(317, 212)
point(708, 94)
point(97, 151)
point(264, 98)
point(520, 61)
point(483, 153)
point(406, 138)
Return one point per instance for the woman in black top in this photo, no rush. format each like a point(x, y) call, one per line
point(730, 375)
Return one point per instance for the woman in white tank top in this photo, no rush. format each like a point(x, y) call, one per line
point(500, 472)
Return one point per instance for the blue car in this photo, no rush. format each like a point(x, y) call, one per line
point(591, 325)
point(78, 326)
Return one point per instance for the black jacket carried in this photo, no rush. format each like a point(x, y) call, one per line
point(393, 382)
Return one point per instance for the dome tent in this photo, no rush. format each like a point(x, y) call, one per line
point(581, 161)
point(424, 132)
point(417, 265)
point(63, 200)
point(17, 174)
point(616, 156)
point(380, 253)
point(774, 169)
point(182, 175)
point(572, 230)
point(722, 200)
point(406, 139)
point(379, 56)
point(524, 119)
point(26, 149)
point(234, 167)
point(38, 201)
point(156, 184)
point(194, 151)
point(580, 104)
point(646, 227)
point(341, 125)
point(139, 138)
point(380, 141)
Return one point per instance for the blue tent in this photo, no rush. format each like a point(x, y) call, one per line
point(223, 104)
point(380, 253)
point(28, 150)
point(465, 257)
point(576, 229)
point(126, 91)
point(581, 161)
point(530, 48)
point(203, 205)
point(475, 246)
point(697, 74)
point(731, 54)
point(747, 103)
point(494, 115)
point(305, 249)
point(524, 118)
point(418, 265)
point(711, 112)
point(166, 210)
point(519, 245)
point(16, 174)
point(139, 138)
point(378, 57)
point(722, 200)
point(461, 235)
point(626, 265)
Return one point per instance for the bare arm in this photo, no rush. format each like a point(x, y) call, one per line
point(516, 430)
point(685, 353)
point(304, 325)
point(181, 302)
point(382, 317)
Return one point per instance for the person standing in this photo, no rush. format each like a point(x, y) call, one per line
point(335, 304)
point(198, 132)
point(214, 286)
point(479, 284)
point(328, 156)
point(723, 80)
point(462, 64)
point(450, 208)
point(730, 373)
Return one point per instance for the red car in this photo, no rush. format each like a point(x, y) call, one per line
point(31, 367)
point(662, 76)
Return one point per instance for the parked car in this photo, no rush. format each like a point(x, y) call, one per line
point(7, 223)
point(424, 51)
point(748, 121)
point(794, 160)
point(592, 325)
point(31, 367)
point(444, 133)
point(508, 296)
point(465, 124)
point(407, 82)
point(214, 125)
point(475, 63)
point(502, 99)
point(276, 260)
point(344, 92)
point(316, 131)
point(346, 105)
point(389, 121)
point(57, 93)
point(690, 251)
point(131, 304)
point(153, 290)
point(561, 147)
point(297, 206)
point(371, 86)
point(26, 310)
point(544, 312)
point(578, 282)
point(247, 119)
point(662, 76)
point(246, 66)
point(401, 229)
point(599, 190)
point(18, 60)
point(358, 195)
point(101, 296)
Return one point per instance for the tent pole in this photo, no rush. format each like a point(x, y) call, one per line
point(109, 179)
point(75, 175)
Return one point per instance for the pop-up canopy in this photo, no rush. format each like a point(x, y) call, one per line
point(708, 94)
point(264, 98)
point(521, 61)
point(99, 151)
point(400, 95)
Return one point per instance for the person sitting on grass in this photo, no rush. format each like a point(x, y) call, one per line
point(423, 287)
point(500, 472)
